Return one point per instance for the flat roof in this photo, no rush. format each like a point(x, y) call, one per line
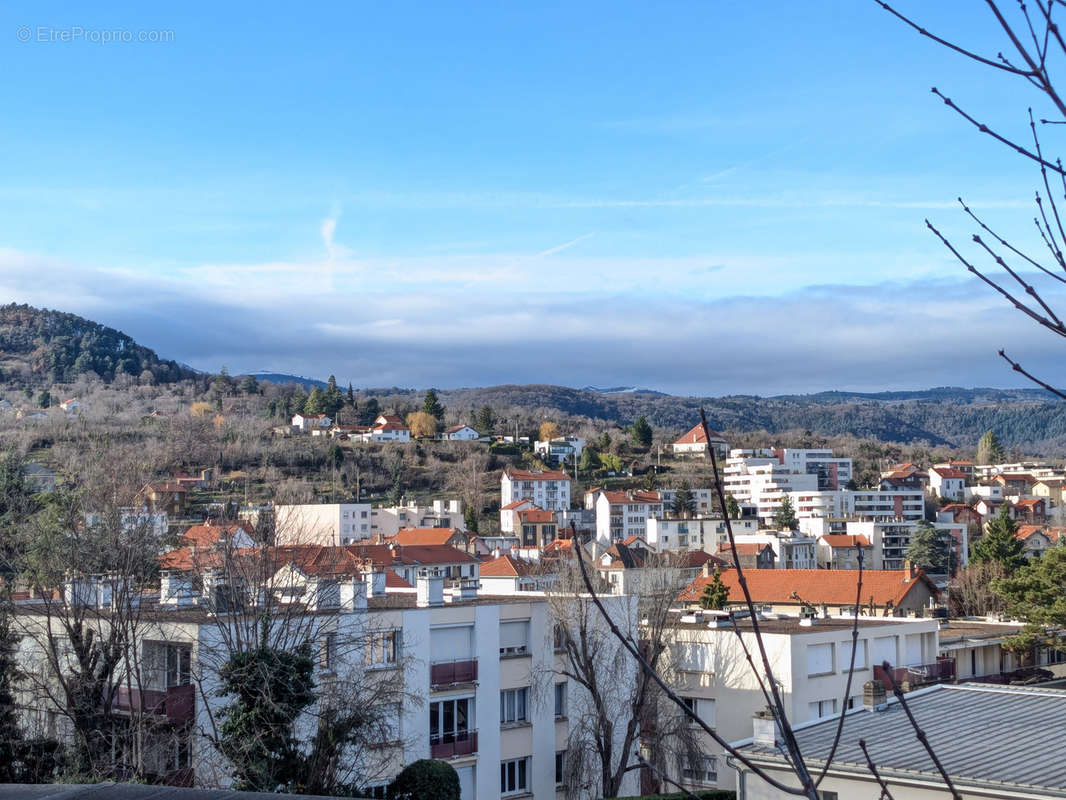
point(792, 627)
point(984, 735)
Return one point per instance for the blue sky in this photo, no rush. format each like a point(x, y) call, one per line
point(694, 197)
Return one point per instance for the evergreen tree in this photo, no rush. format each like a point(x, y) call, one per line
point(999, 543)
point(332, 398)
point(642, 433)
point(928, 548)
point(989, 450)
point(371, 411)
point(10, 734)
point(715, 594)
point(426, 779)
point(590, 459)
point(485, 421)
point(432, 406)
point(351, 397)
point(732, 507)
point(785, 517)
point(316, 402)
point(684, 504)
point(44, 399)
point(250, 385)
point(270, 688)
point(470, 518)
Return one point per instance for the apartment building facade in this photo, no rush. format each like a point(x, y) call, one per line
point(547, 489)
point(327, 524)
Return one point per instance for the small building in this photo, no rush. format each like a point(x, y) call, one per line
point(841, 551)
point(38, 478)
point(309, 422)
point(1032, 510)
point(459, 433)
point(559, 450)
point(165, 496)
point(694, 444)
point(948, 483)
point(750, 555)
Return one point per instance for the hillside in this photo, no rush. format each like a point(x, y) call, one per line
point(1022, 418)
point(39, 347)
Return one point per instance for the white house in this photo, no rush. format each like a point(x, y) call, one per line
point(948, 483)
point(388, 428)
point(309, 422)
point(459, 433)
point(559, 450)
point(693, 443)
point(620, 515)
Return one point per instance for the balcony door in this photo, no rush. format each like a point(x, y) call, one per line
point(450, 720)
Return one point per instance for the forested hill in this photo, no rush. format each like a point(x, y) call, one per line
point(1025, 418)
point(40, 347)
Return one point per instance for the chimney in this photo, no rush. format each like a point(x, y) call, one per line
point(353, 593)
point(174, 589)
point(430, 590)
point(375, 582)
point(873, 695)
point(707, 569)
point(765, 729)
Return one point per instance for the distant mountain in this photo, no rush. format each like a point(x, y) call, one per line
point(39, 346)
point(281, 378)
point(621, 390)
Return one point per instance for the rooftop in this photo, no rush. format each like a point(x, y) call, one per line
point(985, 736)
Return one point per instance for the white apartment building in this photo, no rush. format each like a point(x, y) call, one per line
point(559, 450)
point(480, 678)
point(877, 504)
point(334, 524)
point(832, 472)
point(620, 515)
point(809, 659)
point(758, 480)
point(704, 499)
point(548, 489)
point(697, 533)
point(390, 520)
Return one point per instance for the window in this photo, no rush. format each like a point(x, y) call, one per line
point(703, 769)
point(827, 795)
point(382, 648)
point(822, 708)
point(514, 776)
point(560, 767)
point(559, 637)
point(820, 659)
point(860, 655)
point(327, 652)
point(449, 720)
point(513, 705)
point(166, 664)
point(514, 638)
point(560, 700)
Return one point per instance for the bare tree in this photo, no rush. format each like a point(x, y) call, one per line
point(1031, 46)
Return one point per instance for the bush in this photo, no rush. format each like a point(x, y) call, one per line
point(426, 779)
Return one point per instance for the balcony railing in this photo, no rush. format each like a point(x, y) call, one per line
point(177, 703)
point(442, 673)
point(942, 671)
point(453, 745)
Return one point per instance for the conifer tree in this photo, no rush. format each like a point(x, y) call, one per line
point(715, 594)
point(999, 543)
point(432, 406)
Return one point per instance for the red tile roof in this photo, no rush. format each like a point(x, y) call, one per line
point(516, 503)
point(1025, 531)
point(696, 436)
point(744, 548)
point(542, 475)
point(394, 581)
point(846, 540)
point(505, 566)
point(420, 536)
point(412, 555)
point(948, 472)
point(207, 534)
point(634, 496)
point(830, 586)
point(536, 515)
point(1030, 502)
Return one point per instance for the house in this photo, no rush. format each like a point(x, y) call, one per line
point(621, 514)
point(1015, 484)
point(959, 513)
point(73, 406)
point(205, 479)
point(948, 483)
point(410, 561)
point(509, 514)
point(694, 444)
point(535, 527)
point(750, 555)
point(346, 433)
point(1038, 538)
point(388, 428)
point(905, 476)
point(507, 574)
point(452, 537)
point(1032, 510)
point(991, 740)
point(165, 496)
point(886, 592)
point(811, 660)
point(559, 450)
point(841, 551)
point(548, 489)
point(306, 423)
point(1053, 489)
point(460, 433)
point(791, 551)
point(234, 535)
point(989, 508)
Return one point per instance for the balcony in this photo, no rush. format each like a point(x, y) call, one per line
point(942, 671)
point(453, 745)
point(177, 703)
point(443, 673)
